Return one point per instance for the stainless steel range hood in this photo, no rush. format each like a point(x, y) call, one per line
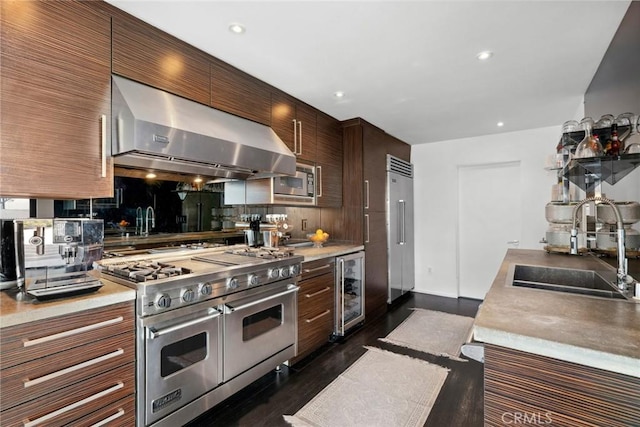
point(155, 130)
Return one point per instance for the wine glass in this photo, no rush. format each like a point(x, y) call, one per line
point(589, 146)
point(632, 142)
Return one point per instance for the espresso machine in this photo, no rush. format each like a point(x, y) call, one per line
point(59, 254)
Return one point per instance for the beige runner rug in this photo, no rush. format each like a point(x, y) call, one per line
point(432, 332)
point(380, 389)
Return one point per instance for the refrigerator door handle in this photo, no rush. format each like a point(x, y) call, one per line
point(401, 222)
point(366, 220)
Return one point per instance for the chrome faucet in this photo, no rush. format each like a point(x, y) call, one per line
point(146, 220)
point(624, 281)
point(139, 220)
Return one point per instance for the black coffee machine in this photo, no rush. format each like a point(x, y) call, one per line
point(11, 254)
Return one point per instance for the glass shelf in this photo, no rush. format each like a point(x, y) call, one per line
point(611, 169)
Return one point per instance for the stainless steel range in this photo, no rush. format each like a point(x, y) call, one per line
point(209, 322)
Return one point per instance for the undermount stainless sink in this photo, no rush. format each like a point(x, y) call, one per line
point(582, 282)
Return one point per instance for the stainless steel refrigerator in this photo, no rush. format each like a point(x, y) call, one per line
point(399, 221)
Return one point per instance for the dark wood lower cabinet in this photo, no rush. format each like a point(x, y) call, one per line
point(76, 369)
point(316, 301)
point(523, 388)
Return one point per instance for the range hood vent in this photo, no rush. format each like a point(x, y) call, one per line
point(157, 131)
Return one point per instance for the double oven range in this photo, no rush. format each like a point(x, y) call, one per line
point(209, 322)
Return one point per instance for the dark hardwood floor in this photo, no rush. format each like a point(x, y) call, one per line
point(460, 402)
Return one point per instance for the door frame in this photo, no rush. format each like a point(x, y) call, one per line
point(504, 163)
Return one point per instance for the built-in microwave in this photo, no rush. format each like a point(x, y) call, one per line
point(299, 189)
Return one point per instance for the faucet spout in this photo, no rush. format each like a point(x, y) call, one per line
point(149, 215)
point(623, 280)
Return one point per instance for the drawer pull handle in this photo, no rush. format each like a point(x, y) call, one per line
point(56, 374)
point(109, 419)
point(313, 319)
point(29, 343)
point(311, 270)
point(328, 288)
point(73, 406)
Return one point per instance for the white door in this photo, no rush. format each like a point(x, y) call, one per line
point(489, 222)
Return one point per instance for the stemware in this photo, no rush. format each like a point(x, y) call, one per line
point(632, 141)
point(589, 146)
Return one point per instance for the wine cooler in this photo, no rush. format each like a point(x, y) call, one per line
point(349, 292)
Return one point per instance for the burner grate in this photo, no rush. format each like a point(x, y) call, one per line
point(144, 270)
point(266, 253)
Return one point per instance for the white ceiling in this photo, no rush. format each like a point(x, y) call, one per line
point(409, 67)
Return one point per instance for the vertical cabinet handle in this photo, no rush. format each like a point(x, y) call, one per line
point(295, 136)
point(366, 224)
point(342, 294)
point(319, 174)
point(50, 415)
point(366, 194)
point(103, 144)
point(300, 136)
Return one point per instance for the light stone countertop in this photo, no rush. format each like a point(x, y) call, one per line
point(331, 249)
point(590, 331)
point(14, 311)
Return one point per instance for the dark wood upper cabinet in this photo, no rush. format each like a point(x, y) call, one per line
point(295, 123)
point(55, 85)
point(239, 93)
point(329, 161)
point(148, 55)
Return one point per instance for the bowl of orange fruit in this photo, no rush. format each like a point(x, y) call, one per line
point(318, 238)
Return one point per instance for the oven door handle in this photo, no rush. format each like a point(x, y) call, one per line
point(155, 333)
point(290, 289)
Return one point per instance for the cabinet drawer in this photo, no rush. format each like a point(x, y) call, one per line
point(314, 332)
point(68, 404)
point(118, 414)
point(33, 340)
point(315, 268)
point(33, 379)
point(315, 295)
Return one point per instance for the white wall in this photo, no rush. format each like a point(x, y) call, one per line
point(436, 198)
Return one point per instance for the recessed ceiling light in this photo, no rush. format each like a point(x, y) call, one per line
point(150, 175)
point(198, 180)
point(338, 94)
point(237, 28)
point(483, 56)
point(500, 124)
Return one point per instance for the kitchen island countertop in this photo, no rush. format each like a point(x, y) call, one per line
point(595, 332)
point(14, 311)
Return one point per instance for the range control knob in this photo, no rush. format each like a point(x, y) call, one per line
point(205, 289)
point(274, 273)
point(254, 280)
point(188, 295)
point(295, 269)
point(232, 283)
point(163, 301)
point(285, 272)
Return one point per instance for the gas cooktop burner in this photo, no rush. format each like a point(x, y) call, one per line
point(144, 270)
point(262, 252)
